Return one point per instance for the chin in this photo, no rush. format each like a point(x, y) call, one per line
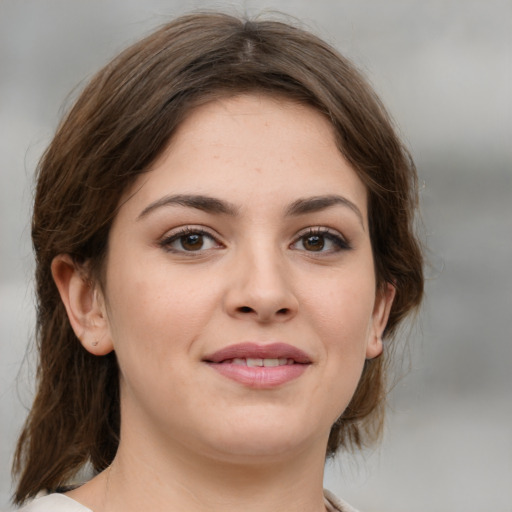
point(248, 452)
point(263, 441)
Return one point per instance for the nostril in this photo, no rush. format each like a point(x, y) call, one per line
point(245, 309)
point(283, 311)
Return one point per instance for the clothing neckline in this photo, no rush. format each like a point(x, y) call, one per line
point(332, 503)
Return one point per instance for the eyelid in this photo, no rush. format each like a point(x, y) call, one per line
point(333, 235)
point(176, 233)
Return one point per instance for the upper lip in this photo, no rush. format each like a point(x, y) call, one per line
point(258, 351)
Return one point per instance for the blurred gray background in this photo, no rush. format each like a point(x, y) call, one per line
point(444, 69)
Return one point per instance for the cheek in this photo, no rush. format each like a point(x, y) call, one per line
point(152, 317)
point(343, 307)
point(345, 330)
point(342, 310)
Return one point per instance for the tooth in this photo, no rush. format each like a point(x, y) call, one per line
point(270, 362)
point(251, 362)
point(239, 362)
point(282, 361)
point(290, 361)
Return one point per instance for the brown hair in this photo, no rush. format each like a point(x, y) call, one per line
point(119, 125)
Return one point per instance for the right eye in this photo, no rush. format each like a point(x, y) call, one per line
point(189, 240)
point(320, 240)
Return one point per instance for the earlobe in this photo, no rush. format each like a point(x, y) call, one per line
point(382, 308)
point(84, 305)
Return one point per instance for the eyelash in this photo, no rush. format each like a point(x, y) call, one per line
point(336, 239)
point(167, 241)
point(340, 243)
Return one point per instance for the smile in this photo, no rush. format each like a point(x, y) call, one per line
point(259, 366)
point(255, 362)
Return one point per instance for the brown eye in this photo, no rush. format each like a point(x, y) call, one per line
point(313, 242)
point(321, 240)
point(189, 240)
point(192, 242)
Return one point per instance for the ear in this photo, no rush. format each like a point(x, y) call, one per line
point(84, 305)
point(383, 302)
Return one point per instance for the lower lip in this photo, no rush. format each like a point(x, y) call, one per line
point(260, 377)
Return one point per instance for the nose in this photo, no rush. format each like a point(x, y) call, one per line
point(261, 288)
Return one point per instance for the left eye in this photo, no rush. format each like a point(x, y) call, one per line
point(189, 241)
point(320, 241)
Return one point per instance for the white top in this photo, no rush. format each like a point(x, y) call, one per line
point(62, 503)
point(54, 503)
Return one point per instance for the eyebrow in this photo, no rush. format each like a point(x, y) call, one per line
point(204, 203)
point(318, 203)
point(218, 206)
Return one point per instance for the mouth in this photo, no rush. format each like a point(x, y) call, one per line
point(255, 362)
point(258, 354)
point(259, 366)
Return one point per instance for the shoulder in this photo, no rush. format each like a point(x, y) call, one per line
point(54, 503)
point(61, 503)
point(334, 504)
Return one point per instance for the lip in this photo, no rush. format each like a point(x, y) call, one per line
point(259, 351)
point(259, 377)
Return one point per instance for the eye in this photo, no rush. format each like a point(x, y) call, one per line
point(189, 240)
point(321, 240)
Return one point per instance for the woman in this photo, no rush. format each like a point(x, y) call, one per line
point(223, 228)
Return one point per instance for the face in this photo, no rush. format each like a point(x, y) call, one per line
point(240, 293)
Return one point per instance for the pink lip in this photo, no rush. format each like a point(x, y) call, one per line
point(261, 351)
point(260, 377)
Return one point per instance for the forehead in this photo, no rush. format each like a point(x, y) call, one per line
point(252, 146)
point(266, 115)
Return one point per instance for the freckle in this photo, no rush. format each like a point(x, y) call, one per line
point(258, 170)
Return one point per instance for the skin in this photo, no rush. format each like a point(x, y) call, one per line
point(189, 435)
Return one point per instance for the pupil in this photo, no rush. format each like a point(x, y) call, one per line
point(314, 243)
point(192, 242)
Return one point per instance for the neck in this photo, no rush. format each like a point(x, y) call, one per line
point(197, 484)
point(143, 477)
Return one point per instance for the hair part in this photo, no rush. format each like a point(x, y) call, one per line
point(120, 124)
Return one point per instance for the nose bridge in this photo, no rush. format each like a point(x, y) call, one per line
point(261, 287)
